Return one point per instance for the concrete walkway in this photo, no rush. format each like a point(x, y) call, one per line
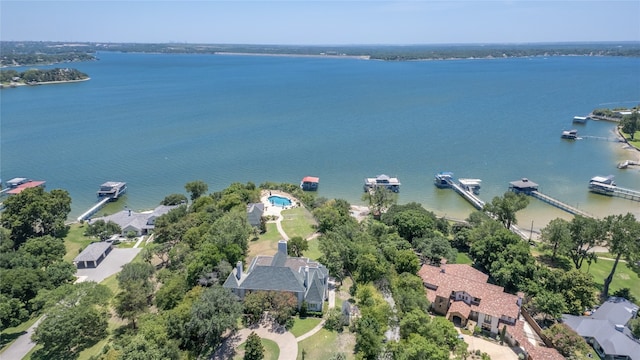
point(496, 351)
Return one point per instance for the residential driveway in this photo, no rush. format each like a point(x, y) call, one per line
point(112, 264)
point(285, 340)
point(23, 344)
point(495, 350)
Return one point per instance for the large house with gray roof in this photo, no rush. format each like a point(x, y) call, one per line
point(306, 279)
point(139, 223)
point(607, 331)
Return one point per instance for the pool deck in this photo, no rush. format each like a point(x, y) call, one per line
point(276, 211)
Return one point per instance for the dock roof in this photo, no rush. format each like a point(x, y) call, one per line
point(311, 179)
point(21, 187)
point(523, 183)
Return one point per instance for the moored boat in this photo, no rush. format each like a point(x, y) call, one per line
point(570, 134)
point(602, 185)
point(390, 183)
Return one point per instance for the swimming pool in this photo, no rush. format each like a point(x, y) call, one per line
point(279, 201)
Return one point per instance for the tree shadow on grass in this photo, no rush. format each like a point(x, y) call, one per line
point(560, 262)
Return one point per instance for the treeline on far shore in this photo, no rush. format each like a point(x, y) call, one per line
point(23, 53)
point(35, 76)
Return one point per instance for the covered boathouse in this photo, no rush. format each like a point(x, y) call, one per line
point(93, 255)
point(309, 183)
point(523, 185)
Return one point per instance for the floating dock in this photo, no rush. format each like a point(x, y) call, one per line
point(528, 187)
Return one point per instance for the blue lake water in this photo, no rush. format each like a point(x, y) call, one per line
point(158, 121)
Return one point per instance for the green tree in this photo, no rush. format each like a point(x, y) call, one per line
point(35, 212)
point(557, 235)
point(370, 268)
point(75, 322)
point(623, 241)
point(634, 326)
point(586, 233)
point(550, 304)
point(103, 230)
point(380, 199)
point(136, 290)
point(214, 312)
point(296, 246)
point(45, 249)
point(505, 208)
point(196, 188)
point(630, 123)
point(567, 341)
point(174, 199)
point(253, 349)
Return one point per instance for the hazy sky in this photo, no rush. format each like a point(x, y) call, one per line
point(321, 22)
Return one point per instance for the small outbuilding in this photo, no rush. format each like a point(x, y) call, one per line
point(254, 214)
point(310, 183)
point(93, 255)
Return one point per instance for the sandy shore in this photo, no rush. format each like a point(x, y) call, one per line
point(14, 84)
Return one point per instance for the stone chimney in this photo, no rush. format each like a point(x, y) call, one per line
point(282, 246)
point(307, 279)
point(239, 270)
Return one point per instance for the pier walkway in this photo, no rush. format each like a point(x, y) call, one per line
point(559, 204)
point(468, 195)
point(626, 193)
point(476, 201)
point(85, 215)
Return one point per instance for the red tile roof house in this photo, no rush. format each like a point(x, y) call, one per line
point(462, 293)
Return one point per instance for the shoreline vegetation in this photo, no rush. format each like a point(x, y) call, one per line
point(37, 53)
point(12, 78)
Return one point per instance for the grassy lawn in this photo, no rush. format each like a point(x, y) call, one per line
point(271, 350)
point(75, 241)
point(313, 252)
point(298, 222)
point(267, 243)
point(463, 258)
point(326, 343)
point(302, 326)
point(623, 278)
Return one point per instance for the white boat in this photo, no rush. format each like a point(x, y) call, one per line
point(580, 119)
point(602, 185)
point(570, 134)
point(112, 189)
point(390, 183)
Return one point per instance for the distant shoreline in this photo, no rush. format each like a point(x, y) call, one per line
point(359, 57)
point(14, 84)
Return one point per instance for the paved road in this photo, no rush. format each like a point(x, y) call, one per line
point(23, 344)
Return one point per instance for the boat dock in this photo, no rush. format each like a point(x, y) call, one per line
point(467, 188)
point(528, 187)
point(87, 214)
point(606, 186)
point(109, 191)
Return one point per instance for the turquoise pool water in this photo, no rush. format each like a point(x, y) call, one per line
point(279, 201)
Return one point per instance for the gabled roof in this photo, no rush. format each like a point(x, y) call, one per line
point(272, 278)
point(254, 213)
point(460, 277)
point(315, 292)
point(601, 325)
point(134, 220)
point(311, 179)
point(93, 251)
